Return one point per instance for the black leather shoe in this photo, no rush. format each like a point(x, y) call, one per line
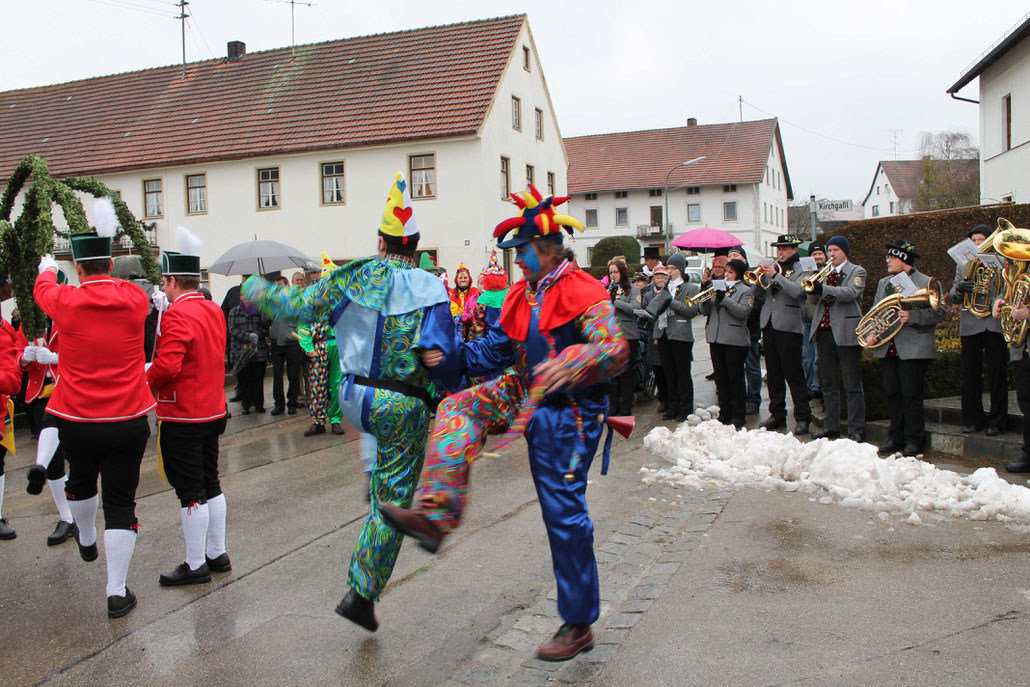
point(314, 429)
point(911, 450)
point(278, 410)
point(183, 575)
point(87, 553)
point(220, 564)
point(812, 395)
point(857, 437)
point(969, 429)
point(751, 410)
point(235, 398)
point(773, 423)
point(993, 431)
point(291, 411)
point(259, 410)
point(357, 609)
point(245, 412)
point(738, 423)
point(6, 531)
point(118, 606)
point(710, 377)
point(662, 407)
point(801, 428)
point(682, 417)
point(37, 477)
point(1021, 465)
point(62, 533)
point(889, 448)
point(827, 434)
point(337, 428)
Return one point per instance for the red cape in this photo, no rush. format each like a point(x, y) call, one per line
point(567, 298)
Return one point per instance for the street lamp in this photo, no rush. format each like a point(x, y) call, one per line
point(665, 194)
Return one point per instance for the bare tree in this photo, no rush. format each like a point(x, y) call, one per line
point(948, 145)
point(951, 171)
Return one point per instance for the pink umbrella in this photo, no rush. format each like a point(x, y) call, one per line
point(706, 240)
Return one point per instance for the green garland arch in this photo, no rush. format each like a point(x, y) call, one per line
point(31, 236)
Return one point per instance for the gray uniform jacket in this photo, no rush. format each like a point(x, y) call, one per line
point(727, 320)
point(844, 302)
point(677, 327)
point(783, 306)
point(916, 338)
point(625, 303)
point(969, 324)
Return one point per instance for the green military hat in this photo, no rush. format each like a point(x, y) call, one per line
point(96, 245)
point(186, 261)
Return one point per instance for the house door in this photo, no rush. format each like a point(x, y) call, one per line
point(656, 215)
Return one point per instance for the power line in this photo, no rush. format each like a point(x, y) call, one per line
point(194, 25)
point(820, 135)
point(130, 7)
point(193, 35)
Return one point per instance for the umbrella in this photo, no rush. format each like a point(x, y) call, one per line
point(258, 257)
point(706, 240)
point(128, 267)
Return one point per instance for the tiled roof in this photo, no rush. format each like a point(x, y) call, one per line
point(905, 176)
point(735, 153)
point(418, 84)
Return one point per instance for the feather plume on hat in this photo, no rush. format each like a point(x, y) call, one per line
point(105, 218)
point(189, 243)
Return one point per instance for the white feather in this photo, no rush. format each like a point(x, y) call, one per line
point(189, 243)
point(105, 218)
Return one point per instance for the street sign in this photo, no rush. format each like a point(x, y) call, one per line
point(833, 205)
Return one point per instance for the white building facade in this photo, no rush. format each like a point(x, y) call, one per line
point(882, 200)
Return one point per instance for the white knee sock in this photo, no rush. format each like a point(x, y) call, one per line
point(216, 526)
point(194, 527)
point(3, 481)
point(60, 499)
point(46, 447)
point(85, 515)
point(118, 547)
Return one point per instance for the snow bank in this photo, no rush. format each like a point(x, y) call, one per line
point(706, 453)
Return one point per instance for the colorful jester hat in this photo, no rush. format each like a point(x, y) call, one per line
point(399, 217)
point(493, 278)
point(461, 266)
point(536, 220)
point(328, 266)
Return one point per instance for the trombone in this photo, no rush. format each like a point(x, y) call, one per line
point(809, 282)
point(882, 323)
point(706, 295)
point(757, 276)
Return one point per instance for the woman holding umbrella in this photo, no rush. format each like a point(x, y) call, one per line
point(249, 353)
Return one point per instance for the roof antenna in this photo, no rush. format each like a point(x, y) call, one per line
point(182, 20)
point(292, 3)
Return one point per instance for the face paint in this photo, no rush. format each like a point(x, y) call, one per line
point(527, 256)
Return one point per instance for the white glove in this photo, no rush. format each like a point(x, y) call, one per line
point(45, 356)
point(146, 366)
point(160, 300)
point(47, 262)
point(29, 355)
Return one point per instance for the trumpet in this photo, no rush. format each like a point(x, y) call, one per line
point(882, 322)
point(757, 276)
point(706, 295)
point(809, 282)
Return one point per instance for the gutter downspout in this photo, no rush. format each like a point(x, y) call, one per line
point(968, 100)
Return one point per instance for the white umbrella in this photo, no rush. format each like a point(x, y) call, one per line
point(258, 257)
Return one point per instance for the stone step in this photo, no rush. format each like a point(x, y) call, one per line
point(948, 438)
point(948, 411)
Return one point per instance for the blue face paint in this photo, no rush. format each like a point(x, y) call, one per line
point(527, 256)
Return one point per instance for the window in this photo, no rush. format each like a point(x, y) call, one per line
point(621, 194)
point(591, 217)
point(694, 212)
point(877, 190)
point(550, 183)
point(892, 207)
point(656, 215)
point(1006, 122)
point(693, 190)
point(765, 212)
point(530, 174)
point(505, 176)
point(654, 192)
point(268, 188)
point(729, 188)
point(876, 211)
point(196, 193)
point(539, 121)
point(525, 58)
point(589, 196)
point(205, 279)
point(621, 217)
point(516, 114)
point(333, 185)
point(729, 212)
point(423, 175)
point(153, 198)
point(886, 188)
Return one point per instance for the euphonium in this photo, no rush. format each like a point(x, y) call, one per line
point(978, 303)
point(706, 295)
point(1014, 244)
point(809, 282)
point(881, 323)
point(756, 276)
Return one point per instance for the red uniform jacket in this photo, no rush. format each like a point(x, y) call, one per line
point(38, 372)
point(12, 343)
point(188, 374)
point(101, 324)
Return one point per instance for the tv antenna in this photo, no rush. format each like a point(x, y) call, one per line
point(293, 4)
point(895, 133)
point(181, 4)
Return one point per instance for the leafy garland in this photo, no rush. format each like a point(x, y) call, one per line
point(31, 235)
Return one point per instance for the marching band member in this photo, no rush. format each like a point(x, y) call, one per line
point(11, 345)
point(781, 333)
point(809, 354)
point(675, 336)
point(906, 358)
point(729, 340)
point(187, 379)
point(981, 337)
point(838, 308)
point(1020, 360)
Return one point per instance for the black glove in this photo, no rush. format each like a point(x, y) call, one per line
point(964, 287)
point(719, 295)
point(775, 288)
point(704, 285)
point(817, 290)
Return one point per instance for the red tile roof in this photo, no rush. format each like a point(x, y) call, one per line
point(369, 90)
point(736, 154)
point(905, 176)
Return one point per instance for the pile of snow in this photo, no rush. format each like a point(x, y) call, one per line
point(706, 453)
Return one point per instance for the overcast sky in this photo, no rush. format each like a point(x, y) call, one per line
point(859, 72)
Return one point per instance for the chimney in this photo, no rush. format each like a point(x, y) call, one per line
point(236, 50)
point(692, 121)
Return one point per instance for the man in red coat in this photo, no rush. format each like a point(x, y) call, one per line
point(187, 378)
point(101, 402)
point(11, 344)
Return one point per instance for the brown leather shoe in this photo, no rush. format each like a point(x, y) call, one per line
point(413, 524)
point(569, 641)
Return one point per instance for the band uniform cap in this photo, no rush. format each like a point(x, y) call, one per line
point(979, 229)
point(786, 241)
point(903, 246)
point(179, 265)
point(90, 247)
point(814, 246)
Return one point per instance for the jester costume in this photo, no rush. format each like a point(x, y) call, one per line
point(383, 310)
point(462, 299)
point(325, 371)
point(484, 308)
point(564, 317)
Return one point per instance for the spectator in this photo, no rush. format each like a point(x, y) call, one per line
point(286, 354)
point(249, 353)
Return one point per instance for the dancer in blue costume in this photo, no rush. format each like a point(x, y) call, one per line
point(385, 311)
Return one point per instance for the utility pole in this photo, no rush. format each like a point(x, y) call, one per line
point(740, 107)
point(182, 20)
point(811, 212)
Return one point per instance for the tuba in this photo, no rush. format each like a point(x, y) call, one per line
point(978, 303)
point(756, 276)
point(809, 282)
point(881, 323)
point(1014, 244)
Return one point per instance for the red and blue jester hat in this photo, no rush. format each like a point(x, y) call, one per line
point(536, 220)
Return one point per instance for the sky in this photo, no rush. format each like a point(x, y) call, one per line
point(852, 82)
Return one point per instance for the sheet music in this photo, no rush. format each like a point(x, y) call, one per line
point(903, 284)
point(719, 284)
point(963, 251)
point(808, 264)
